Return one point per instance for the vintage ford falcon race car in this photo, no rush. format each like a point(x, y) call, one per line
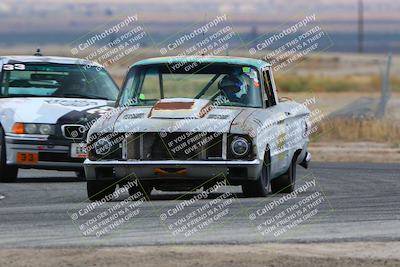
point(46, 106)
point(185, 123)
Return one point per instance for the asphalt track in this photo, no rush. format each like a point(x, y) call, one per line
point(348, 202)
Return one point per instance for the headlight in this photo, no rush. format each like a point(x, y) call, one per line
point(108, 147)
point(33, 128)
point(240, 146)
point(103, 146)
point(46, 129)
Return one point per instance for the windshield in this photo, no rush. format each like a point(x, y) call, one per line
point(56, 80)
point(146, 84)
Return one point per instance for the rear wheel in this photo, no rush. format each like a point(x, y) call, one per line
point(260, 187)
point(97, 190)
point(286, 182)
point(7, 173)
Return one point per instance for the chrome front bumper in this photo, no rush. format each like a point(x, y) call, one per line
point(39, 144)
point(150, 170)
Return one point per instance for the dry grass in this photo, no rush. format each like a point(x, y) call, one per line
point(355, 152)
point(310, 83)
point(352, 130)
point(347, 83)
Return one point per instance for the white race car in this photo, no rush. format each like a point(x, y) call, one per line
point(47, 104)
point(186, 122)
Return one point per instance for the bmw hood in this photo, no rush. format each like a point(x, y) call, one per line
point(49, 110)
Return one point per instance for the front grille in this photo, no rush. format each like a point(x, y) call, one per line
point(175, 146)
point(73, 131)
point(58, 157)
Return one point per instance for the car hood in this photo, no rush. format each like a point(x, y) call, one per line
point(45, 109)
point(172, 115)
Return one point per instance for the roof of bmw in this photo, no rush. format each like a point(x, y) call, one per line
point(46, 59)
point(205, 59)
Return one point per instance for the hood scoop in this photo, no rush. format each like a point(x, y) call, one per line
point(180, 108)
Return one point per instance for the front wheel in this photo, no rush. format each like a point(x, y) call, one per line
point(286, 182)
point(8, 173)
point(259, 187)
point(98, 190)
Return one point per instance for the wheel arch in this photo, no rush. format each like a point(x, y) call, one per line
point(266, 155)
point(297, 153)
point(266, 159)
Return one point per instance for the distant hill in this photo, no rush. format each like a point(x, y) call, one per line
point(51, 21)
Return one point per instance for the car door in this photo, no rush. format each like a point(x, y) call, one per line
point(278, 144)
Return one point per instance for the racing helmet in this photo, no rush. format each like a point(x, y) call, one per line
point(234, 87)
point(76, 80)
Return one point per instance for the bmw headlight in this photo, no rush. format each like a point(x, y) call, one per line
point(240, 146)
point(33, 128)
point(46, 129)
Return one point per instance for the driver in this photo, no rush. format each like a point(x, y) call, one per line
point(74, 83)
point(234, 87)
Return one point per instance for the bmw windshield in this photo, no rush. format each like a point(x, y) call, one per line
point(146, 84)
point(56, 80)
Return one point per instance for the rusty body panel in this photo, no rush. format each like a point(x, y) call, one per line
point(173, 105)
point(178, 108)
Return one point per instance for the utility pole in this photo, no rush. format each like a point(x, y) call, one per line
point(360, 26)
point(385, 89)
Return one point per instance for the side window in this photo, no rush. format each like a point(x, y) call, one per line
point(128, 87)
point(270, 101)
point(151, 85)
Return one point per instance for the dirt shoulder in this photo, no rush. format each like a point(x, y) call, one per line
point(355, 152)
point(321, 254)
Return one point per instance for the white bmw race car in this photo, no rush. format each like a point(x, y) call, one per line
point(47, 105)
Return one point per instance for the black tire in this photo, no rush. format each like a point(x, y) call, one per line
point(97, 190)
point(143, 188)
point(287, 181)
point(259, 187)
point(8, 174)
